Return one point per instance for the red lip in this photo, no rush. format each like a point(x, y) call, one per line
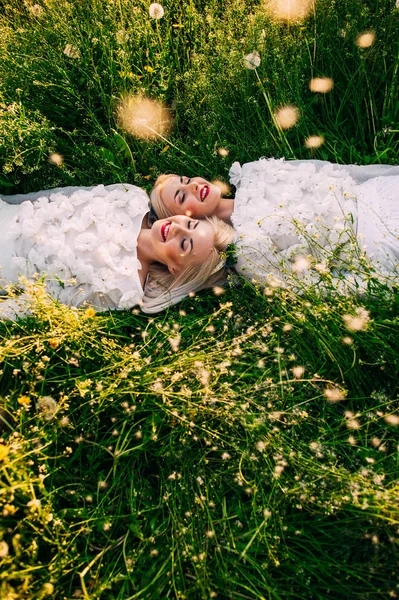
point(165, 230)
point(203, 194)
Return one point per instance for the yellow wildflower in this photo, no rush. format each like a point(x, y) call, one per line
point(24, 401)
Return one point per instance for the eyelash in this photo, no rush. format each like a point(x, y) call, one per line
point(184, 195)
point(182, 244)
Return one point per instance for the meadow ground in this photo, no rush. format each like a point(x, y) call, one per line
point(239, 445)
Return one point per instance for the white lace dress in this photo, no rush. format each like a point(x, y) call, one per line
point(83, 239)
point(298, 220)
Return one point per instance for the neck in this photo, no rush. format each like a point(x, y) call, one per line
point(145, 253)
point(225, 209)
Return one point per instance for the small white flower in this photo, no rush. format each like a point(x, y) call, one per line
point(252, 60)
point(156, 11)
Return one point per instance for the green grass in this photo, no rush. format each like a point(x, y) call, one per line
point(181, 456)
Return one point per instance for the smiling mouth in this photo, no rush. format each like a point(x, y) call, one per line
point(165, 230)
point(204, 192)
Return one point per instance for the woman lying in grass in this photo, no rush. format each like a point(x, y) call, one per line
point(300, 222)
point(97, 247)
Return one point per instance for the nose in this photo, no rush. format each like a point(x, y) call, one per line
point(193, 185)
point(176, 228)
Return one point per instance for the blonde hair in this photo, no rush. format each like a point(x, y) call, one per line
point(155, 197)
point(163, 289)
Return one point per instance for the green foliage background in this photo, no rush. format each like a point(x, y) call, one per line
point(180, 456)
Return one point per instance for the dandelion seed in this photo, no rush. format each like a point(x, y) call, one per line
point(102, 485)
point(224, 188)
point(260, 446)
point(156, 11)
point(210, 534)
point(353, 424)
point(289, 10)
point(365, 40)
point(347, 340)
point(56, 159)
point(225, 456)
point(223, 152)
point(278, 469)
point(138, 435)
point(36, 10)
point(71, 51)
point(375, 540)
point(174, 343)
point(314, 141)
point(352, 440)
point(333, 395)
point(314, 446)
point(218, 291)
point(322, 268)
point(301, 264)
point(48, 407)
point(252, 60)
point(357, 322)
point(64, 422)
point(154, 552)
point(392, 419)
point(286, 117)
point(107, 526)
point(322, 85)
point(143, 117)
point(298, 371)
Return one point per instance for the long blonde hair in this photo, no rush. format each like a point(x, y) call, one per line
point(163, 289)
point(155, 197)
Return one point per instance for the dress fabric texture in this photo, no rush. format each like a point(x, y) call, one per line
point(296, 220)
point(83, 239)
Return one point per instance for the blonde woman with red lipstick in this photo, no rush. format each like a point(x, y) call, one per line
point(97, 248)
point(299, 220)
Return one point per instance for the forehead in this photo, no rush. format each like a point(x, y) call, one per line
point(203, 237)
point(170, 184)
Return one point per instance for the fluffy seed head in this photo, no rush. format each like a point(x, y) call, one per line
point(223, 187)
point(252, 60)
point(365, 40)
point(314, 141)
point(143, 117)
point(286, 117)
point(289, 10)
point(333, 394)
point(321, 85)
point(56, 158)
point(392, 419)
point(156, 11)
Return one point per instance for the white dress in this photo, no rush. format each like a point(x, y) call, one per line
point(298, 220)
point(83, 239)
